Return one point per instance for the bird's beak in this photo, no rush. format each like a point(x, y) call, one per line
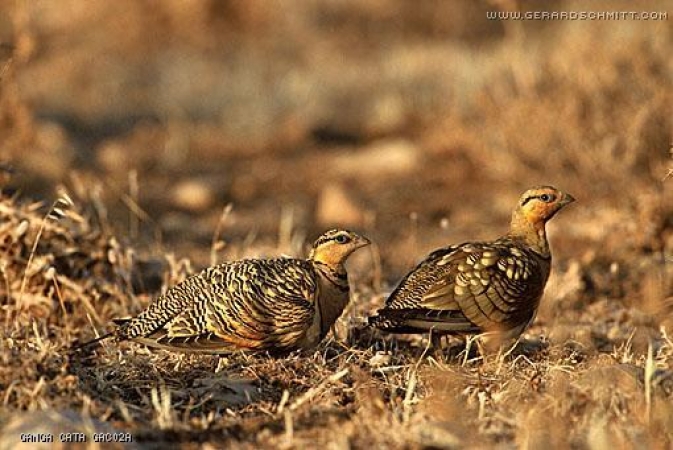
point(567, 199)
point(363, 242)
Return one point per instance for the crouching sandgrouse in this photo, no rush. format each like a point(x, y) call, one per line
point(275, 305)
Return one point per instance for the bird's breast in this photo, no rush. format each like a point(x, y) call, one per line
point(330, 302)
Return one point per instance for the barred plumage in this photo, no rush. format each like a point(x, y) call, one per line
point(273, 305)
point(480, 287)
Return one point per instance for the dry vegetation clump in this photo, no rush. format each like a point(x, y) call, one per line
point(57, 277)
point(64, 274)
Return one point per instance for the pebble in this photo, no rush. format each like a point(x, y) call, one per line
point(192, 195)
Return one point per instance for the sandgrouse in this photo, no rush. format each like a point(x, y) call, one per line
point(256, 305)
point(490, 288)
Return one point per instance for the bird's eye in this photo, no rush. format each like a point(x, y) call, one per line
point(546, 198)
point(342, 239)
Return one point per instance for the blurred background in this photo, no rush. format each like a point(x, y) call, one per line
point(418, 123)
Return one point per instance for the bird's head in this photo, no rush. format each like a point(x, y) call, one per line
point(334, 246)
point(539, 204)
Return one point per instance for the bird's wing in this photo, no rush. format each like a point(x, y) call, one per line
point(245, 305)
point(411, 289)
point(468, 288)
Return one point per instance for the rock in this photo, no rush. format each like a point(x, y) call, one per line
point(113, 157)
point(380, 359)
point(192, 195)
point(382, 158)
point(226, 391)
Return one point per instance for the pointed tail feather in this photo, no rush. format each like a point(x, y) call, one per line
point(92, 344)
point(421, 321)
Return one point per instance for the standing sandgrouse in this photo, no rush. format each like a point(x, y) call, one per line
point(275, 305)
point(480, 287)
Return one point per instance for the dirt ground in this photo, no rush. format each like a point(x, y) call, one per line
point(143, 140)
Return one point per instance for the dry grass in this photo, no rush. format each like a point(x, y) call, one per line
point(605, 379)
point(585, 106)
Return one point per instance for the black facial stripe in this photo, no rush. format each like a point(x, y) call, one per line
point(329, 238)
point(527, 199)
point(552, 198)
point(322, 240)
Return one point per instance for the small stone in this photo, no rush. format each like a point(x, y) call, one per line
point(382, 158)
point(192, 195)
point(380, 359)
point(112, 156)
